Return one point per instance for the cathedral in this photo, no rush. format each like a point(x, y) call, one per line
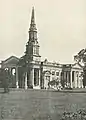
point(30, 71)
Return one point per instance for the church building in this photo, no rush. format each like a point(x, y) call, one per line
point(30, 72)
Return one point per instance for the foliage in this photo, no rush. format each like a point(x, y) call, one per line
point(81, 57)
point(78, 115)
point(6, 80)
point(55, 83)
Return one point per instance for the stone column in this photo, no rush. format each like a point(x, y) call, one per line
point(10, 69)
point(17, 85)
point(71, 79)
point(32, 77)
point(67, 78)
point(39, 77)
point(60, 76)
point(82, 81)
point(26, 81)
point(75, 79)
point(79, 80)
point(64, 78)
point(50, 79)
point(60, 85)
point(44, 81)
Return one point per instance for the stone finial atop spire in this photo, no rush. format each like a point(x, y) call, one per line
point(32, 25)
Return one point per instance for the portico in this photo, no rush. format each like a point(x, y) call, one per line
point(34, 78)
point(77, 70)
point(72, 76)
point(11, 65)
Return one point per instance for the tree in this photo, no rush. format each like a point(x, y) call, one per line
point(5, 80)
point(81, 58)
point(55, 83)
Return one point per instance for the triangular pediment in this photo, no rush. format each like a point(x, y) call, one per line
point(77, 66)
point(11, 60)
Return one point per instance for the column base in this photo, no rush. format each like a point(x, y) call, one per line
point(26, 87)
point(36, 87)
point(17, 87)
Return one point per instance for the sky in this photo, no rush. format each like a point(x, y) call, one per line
point(61, 26)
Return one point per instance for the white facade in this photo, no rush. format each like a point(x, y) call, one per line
point(32, 72)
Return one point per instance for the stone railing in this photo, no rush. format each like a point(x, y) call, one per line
point(52, 64)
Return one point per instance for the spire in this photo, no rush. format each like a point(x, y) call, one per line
point(32, 46)
point(32, 25)
point(32, 17)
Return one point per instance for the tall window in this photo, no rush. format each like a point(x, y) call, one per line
point(34, 50)
point(13, 71)
point(53, 72)
point(35, 35)
point(57, 73)
point(48, 78)
point(37, 50)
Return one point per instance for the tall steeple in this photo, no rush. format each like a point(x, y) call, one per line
point(32, 29)
point(32, 25)
point(32, 47)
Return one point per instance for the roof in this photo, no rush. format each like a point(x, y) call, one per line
point(10, 58)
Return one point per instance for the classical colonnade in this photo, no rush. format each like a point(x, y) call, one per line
point(73, 79)
point(13, 70)
point(34, 78)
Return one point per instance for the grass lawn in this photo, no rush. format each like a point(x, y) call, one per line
point(39, 104)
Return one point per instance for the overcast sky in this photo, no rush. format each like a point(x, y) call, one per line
point(61, 27)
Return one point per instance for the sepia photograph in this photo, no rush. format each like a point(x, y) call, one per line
point(42, 59)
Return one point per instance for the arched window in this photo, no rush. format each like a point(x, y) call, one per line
point(53, 72)
point(13, 71)
point(57, 73)
point(37, 50)
point(6, 68)
point(34, 50)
